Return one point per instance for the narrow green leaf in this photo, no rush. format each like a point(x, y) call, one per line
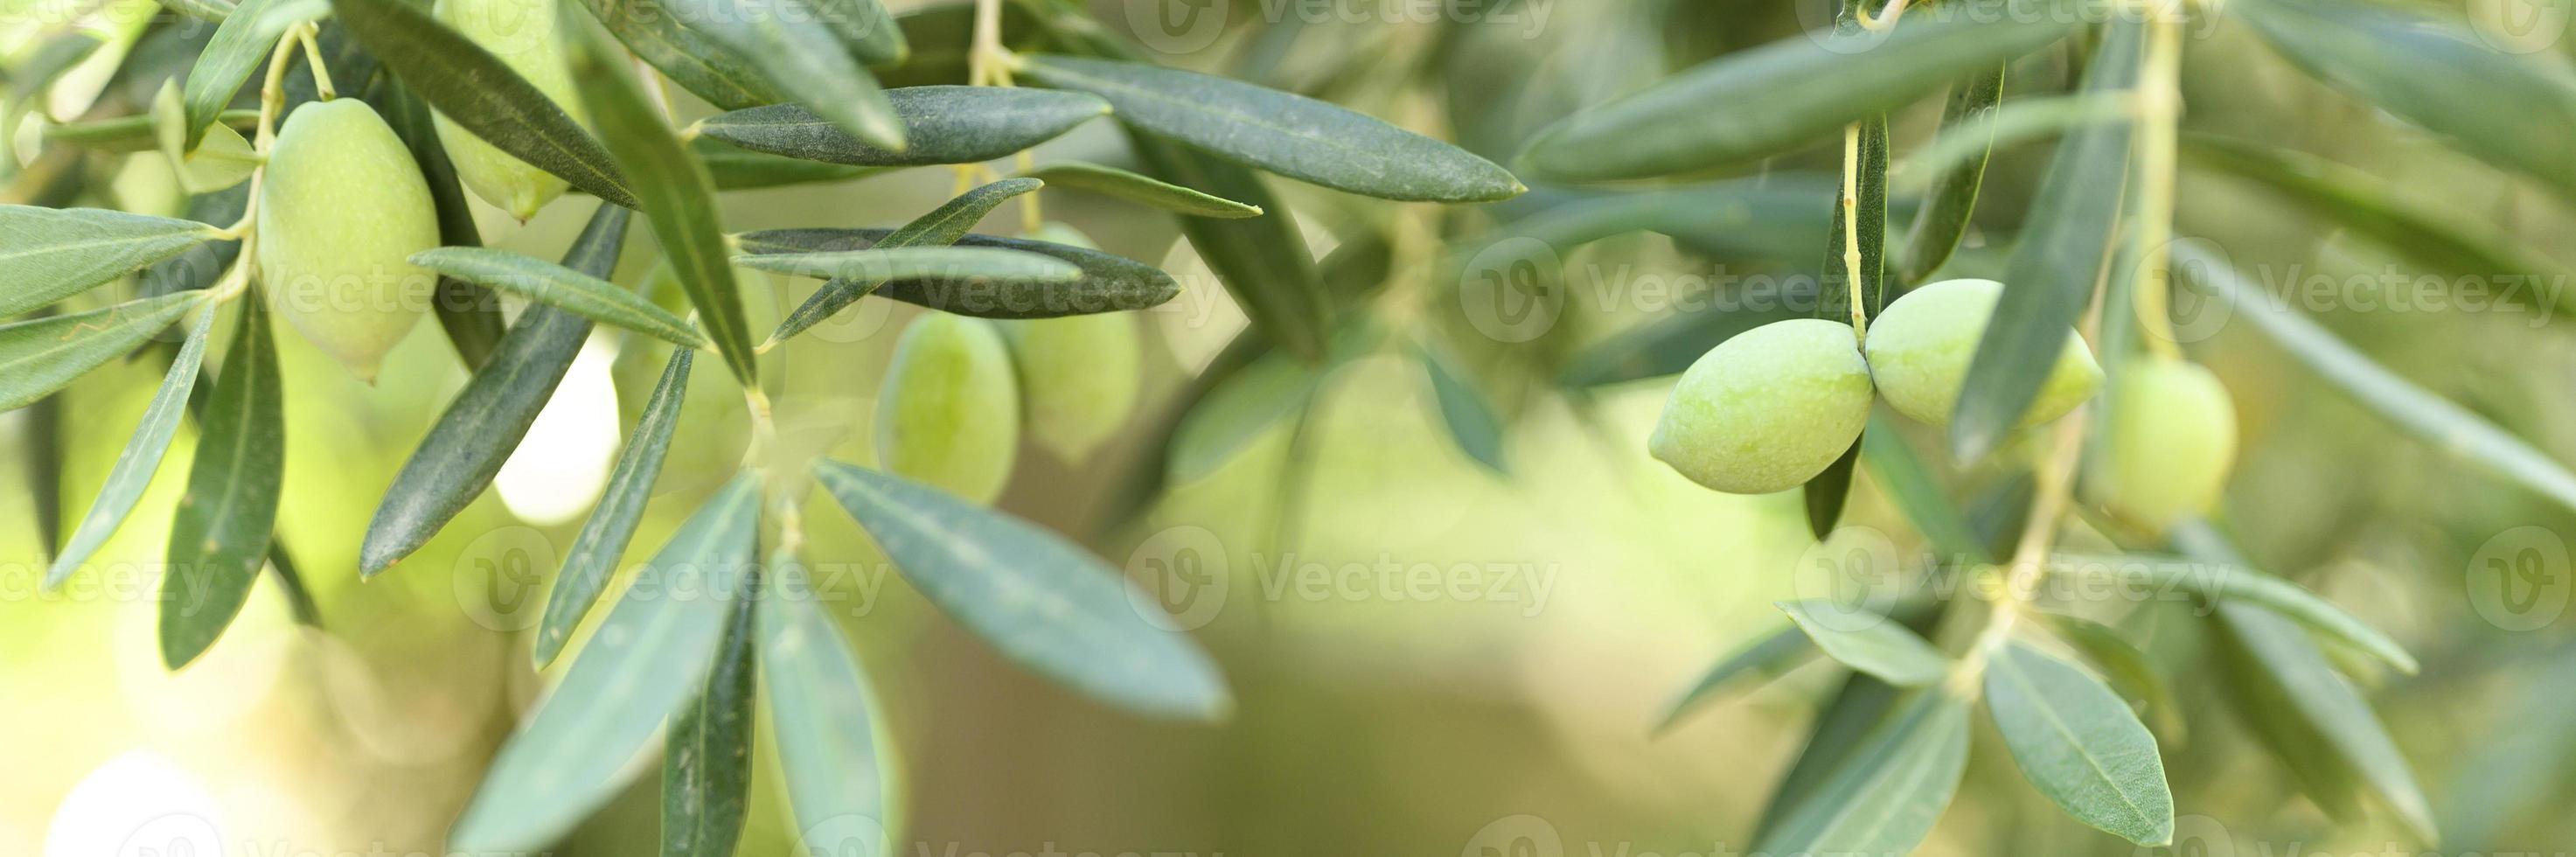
point(1263, 262)
point(219, 536)
point(703, 65)
point(1140, 189)
point(1107, 283)
point(647, 660)
point(470, 315)
point(603, 537)
point(1869, 284)
point(474, 89)
point(2436, 421)
point(810, 65)
point(560, 287)
point(2416, 67)
point(942, 124)
point(2219, 583)
point(2056, 264)
point(706, 757)
point(2079, 744)
point(1284, 133)
point(942, 227)
point(141, 458)
point(838, 769)
point(677, 196)
point(1869, 642)
point(485, 422)
point(1771, 99)
point(203, 10)
point(1968, 117)
point(1884, 797)
point(1770, 218)
point(1472, 421)
point(1033, 595)
point(736, 168)
point(1769, 657)
point(39, 356)
point(1825, 495)
point(129, 134)
point(239, 45)
point(2128, 668)
point(54, 253)
point(909, 263)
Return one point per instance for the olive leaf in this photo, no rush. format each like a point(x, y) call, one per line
point(602, 541)
point(1770, 656)
point(1868, 225)
point(676, 196)
point(1281, 132)
point(2129, 669)
point(1857, 708)
point(478, 92)
point(2223, 583)
point(1869, 642)
point(1825, 495)
point(54, 253)
point(2056, 264)
point(1033, 595)
point(1472, 421)
point(708, 67)
point(465, 449)
point(1969, 117)
point(706, 757)
point(1140, 189)
point(1263, 262)
point(824, 714)
point(1107, 283)
point(2430, 418)
point(649, 657)
point(2015, 122)
point(941, 227)
point(142, 456)
point(129, 134)
point(736, 168)
point(239, 45)
point(807, 63)
point(2079, 744)
point(1767, 100)
point(39, 356)
point(199, 266)
point(219, 536)
point(1885, 795)
point(941, 124)
point(560, 287)
point(910, 263)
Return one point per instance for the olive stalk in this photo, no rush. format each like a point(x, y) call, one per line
point(2159, 102)
point(1850, 202)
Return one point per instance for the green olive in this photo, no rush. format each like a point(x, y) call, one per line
point(1079, 375)
point(1920, 346)
point(341, 211)
point(522, 33)
point(2172, 440)
point(949, 413)
point(1767, 410)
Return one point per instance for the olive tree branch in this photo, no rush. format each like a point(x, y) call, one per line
point(2159, 102)
point(304, 34)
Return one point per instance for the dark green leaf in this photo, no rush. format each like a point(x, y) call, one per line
point(2436, 421)
point(647, 660)
point(54, 253)
point(1033, 595)
point(1140, 189)
point(483, 425)
point(941, 227)
point(239, 45)
point(1769, 657)
point(141, 458)
point(474, 89)
point(1869, 642)
point(706, 757)
point(1953, 194)
point(560, 287)
point(2056, 264)
point(1825, 495)
point(1857, 708)
point(943, 125)
point(39, 356)
point(736, 168)
point(220, 534)
point(825, 717)
point(2079, 744)
point(1288, 134)
point(708, 67)
point(1768, 100)
point(1004, 267)
point(1108, 283)
point(676, 196)
point(1472, 421)
point(2223, 583)
point(602, 541)
point(1884, 797)
point(809, 65)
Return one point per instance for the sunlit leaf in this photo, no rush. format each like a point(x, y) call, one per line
point(602, 541)
point(2223, 583)
point(54, 253)
point(837, 765)
point(1775, 653)
point(140, 460)
point(1140, 189)
point(39, 356)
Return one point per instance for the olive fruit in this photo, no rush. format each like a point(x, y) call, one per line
point(2171, 441)
point(1767, 410)
point(1079, 375)
point(522, 34)
point(949, 413)
point(341, 211)
point(1920, 346)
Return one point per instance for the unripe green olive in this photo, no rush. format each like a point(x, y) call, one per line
point(949, 413)
point(2172, 440)
point(341, 211)
point(1767, 410)
point(1079, 375)
point(1920, 346)
point(522, 33)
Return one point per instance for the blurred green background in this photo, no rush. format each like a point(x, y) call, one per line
point(1427, 658)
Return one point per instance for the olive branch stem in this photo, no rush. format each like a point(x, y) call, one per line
point(1850, 202)
point(306, 34)
point(2159, 100)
